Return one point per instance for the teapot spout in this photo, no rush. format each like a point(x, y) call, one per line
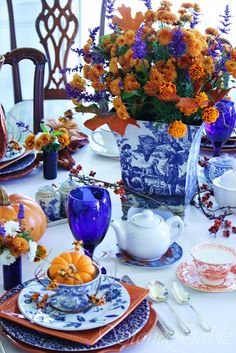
point(120, 233)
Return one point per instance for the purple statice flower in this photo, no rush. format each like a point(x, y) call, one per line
point(2, 230)
point(225, 22)
point(196, 20)
point(23, 126)
point(177, 46)
point(139, 47)
point(81, 95)
point(93, 33)
point(21, 213)
point(109, 13)
point(148, 4)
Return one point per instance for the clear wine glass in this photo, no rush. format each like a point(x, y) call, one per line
point(89, 214)
point(219, 132)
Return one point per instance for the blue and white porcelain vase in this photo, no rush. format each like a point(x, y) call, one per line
point(49, 199)
point(160, 167)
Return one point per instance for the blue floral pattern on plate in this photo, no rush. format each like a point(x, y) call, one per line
point(117, 302)
point(19, 165)
point(131, 325)
point(173, 254)
point(12, 153)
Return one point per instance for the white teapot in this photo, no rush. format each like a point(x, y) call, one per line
point(146, 236)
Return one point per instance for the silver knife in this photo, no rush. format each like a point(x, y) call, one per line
point(166, 330)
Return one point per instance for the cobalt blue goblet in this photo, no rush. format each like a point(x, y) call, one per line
point(219, 132)
point(89, 215)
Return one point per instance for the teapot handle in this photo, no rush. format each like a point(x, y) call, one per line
point(175, 220)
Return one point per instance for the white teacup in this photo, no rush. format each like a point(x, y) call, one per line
point(105, 138)
point(213, 262)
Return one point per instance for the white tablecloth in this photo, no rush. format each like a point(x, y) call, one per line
point(218, 308)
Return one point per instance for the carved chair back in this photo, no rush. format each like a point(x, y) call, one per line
point(57, 27)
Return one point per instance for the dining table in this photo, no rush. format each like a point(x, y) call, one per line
point(218, 309)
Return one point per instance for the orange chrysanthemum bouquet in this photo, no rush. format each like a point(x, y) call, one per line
point(154, 66)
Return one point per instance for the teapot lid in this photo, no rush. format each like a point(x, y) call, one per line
point(146, 219)
point(228, 179)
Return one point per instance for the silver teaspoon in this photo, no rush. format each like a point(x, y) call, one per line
point(183, 297)
point(159, 293)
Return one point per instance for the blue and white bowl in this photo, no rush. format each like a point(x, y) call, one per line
point(217, 166)
point(74, 298)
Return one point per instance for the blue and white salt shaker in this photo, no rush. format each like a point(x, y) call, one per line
point(48, 198)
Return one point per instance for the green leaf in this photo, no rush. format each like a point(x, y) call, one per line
point(43, 128)
point(127, 95)
point(57, 133)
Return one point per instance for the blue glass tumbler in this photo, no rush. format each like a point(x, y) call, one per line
point(219, 132)
point(89, 215)
point(12, 274)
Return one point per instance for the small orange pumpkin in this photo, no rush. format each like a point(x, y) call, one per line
point(35, 218)
point(80, 268)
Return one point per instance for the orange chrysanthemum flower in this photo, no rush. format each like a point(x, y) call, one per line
point(129, 37)
point(231, 67)
point(120, 108)
point(115, 86)
point(187, 5)
point(78, 82)
point(19, 246)
point(184, 61)
point(130, 83)
point(151, 88)
point(45, 138)
point(64, 140)
point(121, 41)
point(165, 36)
point(177, 129)
point(188, 111)
point(98, 86)
point(29, 141)
point(210, 115)
point(113, 65)
point(167, 88)
point(202, 100)
point(196, 71)
point(212, 31)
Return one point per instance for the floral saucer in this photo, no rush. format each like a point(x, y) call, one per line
point(173, 254)
point(117, 302)
point(187, 274)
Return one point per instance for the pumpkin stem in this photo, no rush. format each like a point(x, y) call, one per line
point(73, 268)
point(4, 199)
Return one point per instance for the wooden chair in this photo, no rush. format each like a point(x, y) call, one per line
point(39, 60)
point(56, 26)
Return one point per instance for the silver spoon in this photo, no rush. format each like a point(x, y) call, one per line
point(183, 297)
point(159, 293)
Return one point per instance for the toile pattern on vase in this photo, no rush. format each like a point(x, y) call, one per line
point(161, 168)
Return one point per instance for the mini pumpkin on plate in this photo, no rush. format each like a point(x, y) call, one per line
point(72, 268)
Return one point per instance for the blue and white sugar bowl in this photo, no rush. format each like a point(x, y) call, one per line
point(49, 199)
point(217, 166)
point(64, 190)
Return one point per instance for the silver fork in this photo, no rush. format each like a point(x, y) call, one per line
point(165, 329)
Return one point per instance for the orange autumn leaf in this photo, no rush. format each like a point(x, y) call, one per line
point(114, 123)
point(219, 94)
point(126, 22)
point(188, 103)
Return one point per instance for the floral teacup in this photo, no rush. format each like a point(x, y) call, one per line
point(213, 262)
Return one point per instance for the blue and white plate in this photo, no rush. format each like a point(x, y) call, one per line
point(117, 302)
point(19, 164)
point(173, 254)
point(131, 325)
point(12, 154)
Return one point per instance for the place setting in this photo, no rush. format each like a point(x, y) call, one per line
point(78, 305)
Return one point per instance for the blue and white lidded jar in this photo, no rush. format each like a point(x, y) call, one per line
point(64, 191)
point(49, 199)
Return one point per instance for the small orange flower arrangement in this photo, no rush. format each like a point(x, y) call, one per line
point(48, 140)
point(155, 66)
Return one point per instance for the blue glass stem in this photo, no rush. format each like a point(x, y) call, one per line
point(12, 274)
